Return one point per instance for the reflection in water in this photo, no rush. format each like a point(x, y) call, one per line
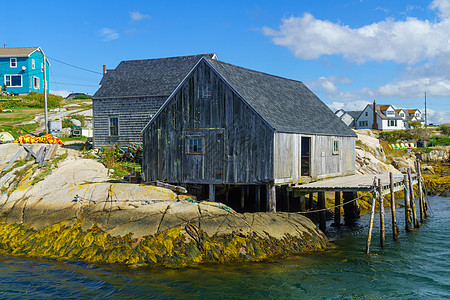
point(415, 267)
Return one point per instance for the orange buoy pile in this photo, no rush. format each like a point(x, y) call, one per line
point(45, 139)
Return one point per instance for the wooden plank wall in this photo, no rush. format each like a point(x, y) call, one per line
point(238, 143)
point(133, 114)
point(287, 157)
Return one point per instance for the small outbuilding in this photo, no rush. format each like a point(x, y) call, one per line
point(226, 127)
point(132, 93)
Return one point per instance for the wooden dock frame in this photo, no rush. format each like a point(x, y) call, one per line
point(349, 186)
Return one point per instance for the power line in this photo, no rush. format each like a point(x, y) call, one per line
point(75, 66)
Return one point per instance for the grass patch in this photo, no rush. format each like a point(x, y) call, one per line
point(74, 138)
point(32, 100)
point(111, 159)
point(19, 130)
point(19, 115)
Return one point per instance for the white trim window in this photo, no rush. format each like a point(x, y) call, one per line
point(113, 126)
point(204, 91)
point(33, 64)
point(13, 80)
point(42, 67)
point(335, 147)
point(36, 83)
point(13, 62)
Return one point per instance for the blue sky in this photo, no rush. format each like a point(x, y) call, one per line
point(347, 52)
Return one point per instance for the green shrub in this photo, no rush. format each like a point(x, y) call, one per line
point(445, 129)
point(81, 97)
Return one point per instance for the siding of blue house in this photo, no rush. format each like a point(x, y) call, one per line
point(17, 72)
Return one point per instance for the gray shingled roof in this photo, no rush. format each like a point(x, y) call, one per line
point(288, 105)
point(147, 77)
point(22, 51)
point(354, 113)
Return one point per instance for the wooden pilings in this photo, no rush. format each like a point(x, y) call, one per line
point(271, 198)
point(421, 199)
point(411, 199)
point(337, 208)
point(351, 209)
point(372, 215)
point(380, 200)
point(394, 219)
point(258, 197)
point(322, 213)
point(302, 200)
point(408, 226)
point(212, 193)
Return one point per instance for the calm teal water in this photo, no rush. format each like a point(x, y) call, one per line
point(417, 267)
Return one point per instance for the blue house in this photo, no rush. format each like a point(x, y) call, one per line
point(22, 70)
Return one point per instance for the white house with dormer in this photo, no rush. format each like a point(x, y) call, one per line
point(383, 117)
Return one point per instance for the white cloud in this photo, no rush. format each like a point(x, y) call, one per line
point(409, 41)
point(438, 117)
point(137, 16)
point(328, 84)
point(348, 106)
point(108, 34)
point(61, 93)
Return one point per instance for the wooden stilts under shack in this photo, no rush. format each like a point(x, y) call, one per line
point(351, 209)
point(226, 194)
point(212, 193)
point(411, 199)
point(337, 208)
point(242, 197)
point(291, 203)
point(408, 226)
point(421, 200)
point(322, 213)
point(372, 216)
point(380, 197)
point(394, 219)
point(309, 205)
point(271, 198)
point(284, 198)
point(302, 200)
point(258, 197)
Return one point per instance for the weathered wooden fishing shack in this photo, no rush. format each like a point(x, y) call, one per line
point(132, 93)
point(226, 130)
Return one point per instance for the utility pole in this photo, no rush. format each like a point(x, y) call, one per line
point(45, 94)
point(426, 110)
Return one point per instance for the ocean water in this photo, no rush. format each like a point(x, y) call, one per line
point(415, 267)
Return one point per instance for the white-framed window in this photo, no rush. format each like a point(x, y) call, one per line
point(13, 80)
point(42, 67)
point(204, 91)
point(33, 64)
point(13, 62)
point(335, 147)
point(392, 123)
point(390, 113)
point(36, 82)
point(113, 126)
point(367, 113)
point(195, 144)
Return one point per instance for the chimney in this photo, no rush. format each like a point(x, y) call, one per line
point(104, 69)
point(4, 45)
point(375, 124)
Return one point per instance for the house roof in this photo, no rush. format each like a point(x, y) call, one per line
point(288, 105)
point(147, 77)
point(354, 113)
point(382, 115)
point(17, 52)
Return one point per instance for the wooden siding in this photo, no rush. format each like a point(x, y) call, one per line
point(133, 114)
point(287, 154)
point(238, 143)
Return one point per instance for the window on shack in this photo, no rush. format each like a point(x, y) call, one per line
point(195, 145)
point(335, 147)
point(204, 91)
point(113, 126)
